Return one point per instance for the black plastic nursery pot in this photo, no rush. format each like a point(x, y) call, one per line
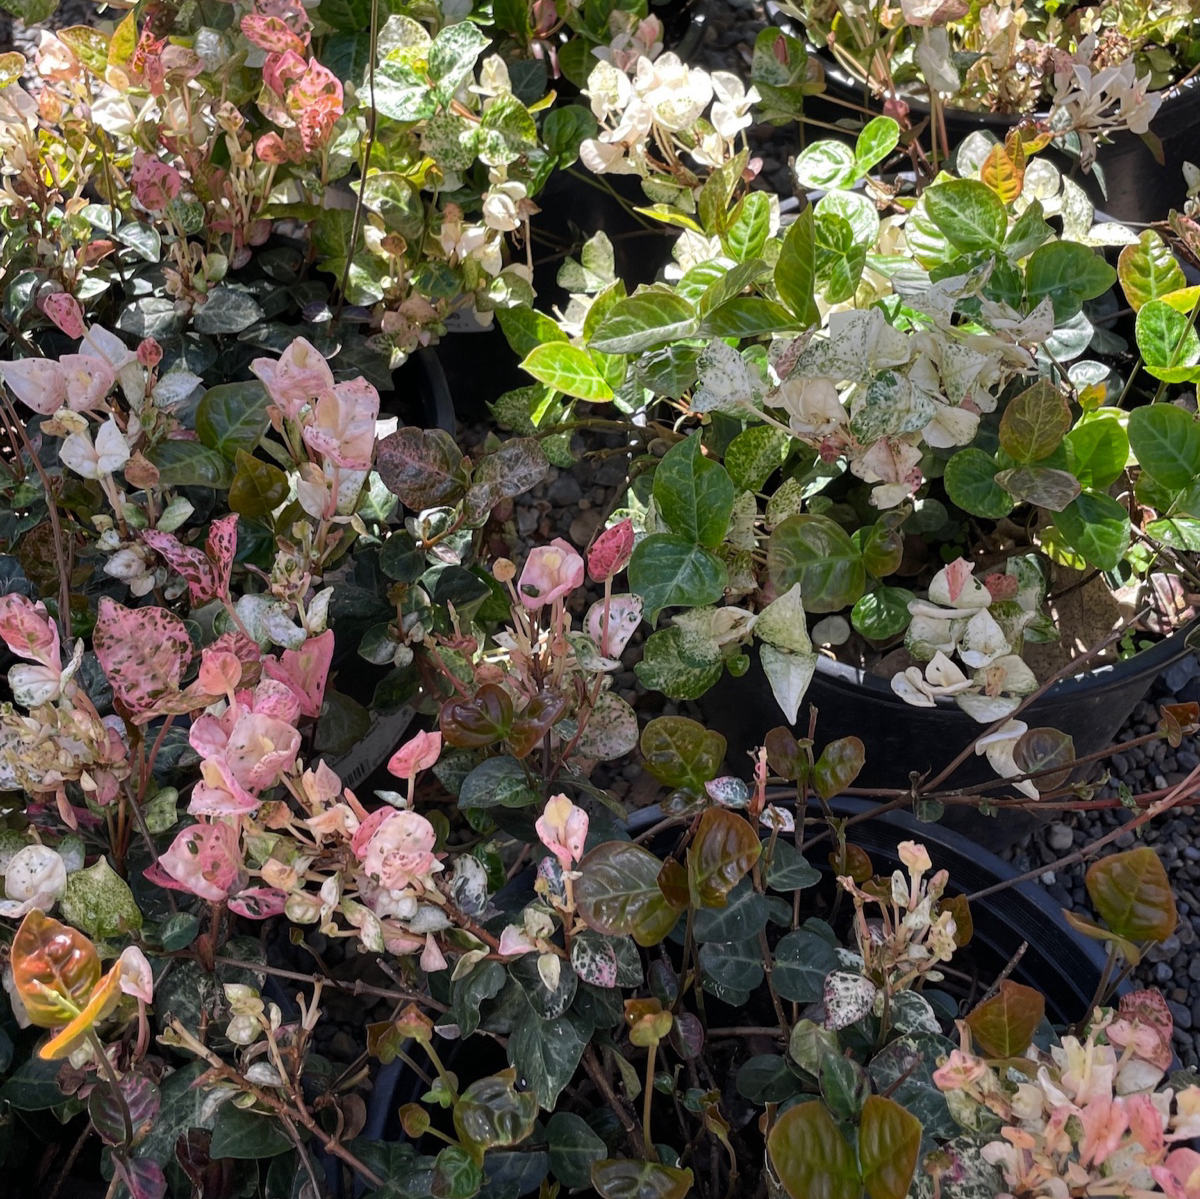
point(1128, 184)
point(1063, 966)
point(1090, 707)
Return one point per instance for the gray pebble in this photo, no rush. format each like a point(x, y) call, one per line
point(1058, 837)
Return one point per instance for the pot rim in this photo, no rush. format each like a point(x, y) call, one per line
point(1151, 661)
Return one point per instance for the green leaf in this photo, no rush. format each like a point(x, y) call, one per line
point(547, 1052)
point(246, 1135)
point(189, 464)
point(453, 53)
point(397, 201)
point(31, 12)
point(1004, 1024)
point(755, 454)
point(568, 369)
point(574, 1146)
point(1097, 527)
point(400, 558)
point(625, 1179)
point(802, 960)
point(817, 553)
point(825, 165)
point(969, 213)
point(178, 931)
point(497, 783)
point(765, 1078)
point(226, 310)
point(879, 137)
point(669, 571)
point(1132, 894)
point(1148, 270)
point(883, 613)
point(643, 321)
point(1168, 342)
point(1166, 442)
point(889, 1142)
point(1069, 274)
point(747, 316)
point(810, 1155)
point(796, 268)
point(667, 667)
point(99, 901)
point(970, 479)
point(232, 417)
point(491, 1112)
point(838, 766)
point(525, 329)
point(401, 93)
point(682, 753)
point(1035, 422)
point(694, 494)
point(1097, 451)
point(840, 257)
point(456, 1174)
point(746, 237)
point(617, 893)
point(564, 128)
point(258, 487)
point(1179, 532)
point(744, 915)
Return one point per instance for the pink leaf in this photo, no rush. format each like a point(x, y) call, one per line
point(204, 859)
point(64, 310)
point(415, 755)
point(220, 547)
point(144, 652)
point(143, 1176)
point(611, 551)
point(28, 631)
point(305, 671)
point(194, 566)
point(1001, 586)
point(957, 574)
point(38, 383)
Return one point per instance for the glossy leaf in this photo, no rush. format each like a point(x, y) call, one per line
point(1097, 451)
point(969, 213)
point(1041, 485)
point(568, 369)
point(618, 893)
point(1166, 442)
point(970, 479)
point(619, 1178)
point(491, 1112)
point(667, 667)
point(1004, 172)
point(724, 848)
point(1042, 749)
point(258, 487)
point(247, 1135)
point(456, 1174)
point(669, 571)
point(1148, 270)
point(144, 652)
point(1097, 526)
point(142, 1100)
point(643, 321)
point(803, 961)
point(816, 552)
point(1132, 894)
point(233, 417)
point(1169, 343)
point(694, 494)
point(811, 1157)
point(535, 721)
point(889, 1142)
point(478, 722)
point(1035, 422)
point(883, 613)
point(838, 766)
point(1069, 273)
point(424, 467)
point(682, 753)
point(1004, 1024)
point(796, 267)
point(55, 969)
point(574, 1147)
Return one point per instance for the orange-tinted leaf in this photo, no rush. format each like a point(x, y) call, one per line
point(1004, 170)
point(1004, 1024)
point(55, 969)
point(622, 1178)
point(673, 881)
point(785, 755)
point(838, 766)
point(724, 849)
point(1178, 719)
point(852, 860)
point(1042, 749)
point(889, 1139)
point(811, 1156)
point(103, 999)
point(1033, 135)
point(1133, 895)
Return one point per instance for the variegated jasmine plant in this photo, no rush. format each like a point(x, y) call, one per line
point(885, 419)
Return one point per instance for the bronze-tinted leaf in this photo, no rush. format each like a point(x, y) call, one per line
point(535, 722)
point(810, 1155)
point(838, 766)
point(491, 1112)
point(852, 860)
point(513, 469)
point(889, 1139)
point(964, 925)
point(1043, 749)
point(424, 467)
point(681, 752)
point(1004, 1024)
point(785, 755)
point(724, 848)
point(1133, 896)
point(621, 1178)
point(618, 893)
point(479, 722)
point(1035, 422)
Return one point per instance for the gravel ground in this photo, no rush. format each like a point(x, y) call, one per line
point(1174, 966)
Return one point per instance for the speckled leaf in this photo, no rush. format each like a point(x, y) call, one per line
point(612, 729)
point(99, 901)
point(424, 467)
point(848, 998)
point(513, 469)
point(143, 651)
